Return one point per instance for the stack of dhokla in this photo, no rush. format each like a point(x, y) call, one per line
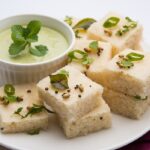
point(76, 100)
point(127, 83)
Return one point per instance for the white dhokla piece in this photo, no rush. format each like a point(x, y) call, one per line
point(133, 81)
point(128, 106)
point(79, 102)
point(99, 118)
point(12, 123)
point(99, 59)
point(125, 34)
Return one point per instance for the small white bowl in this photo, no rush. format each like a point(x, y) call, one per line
point(24, 73)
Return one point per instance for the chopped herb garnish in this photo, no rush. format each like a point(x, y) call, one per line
point(60, 80)
point(10, 98)
point(94, 45)
point(34, 110)
point(31, 110)
point(138, 97)
point(111, 22)
point(127, 27)
point(23, 37)
point(135, 56)
point(84, 23)
point(34, 132)
point(127, 62)
point(68, 20)
point(79, 56)
point(18, 112)
point(10, 95)
point(129, 19)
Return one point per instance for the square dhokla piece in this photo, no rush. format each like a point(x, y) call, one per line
point(27, 96)
point(99, 58)
point(97, 119)
point(81, 96)
point(128, 73)
point(121, 32)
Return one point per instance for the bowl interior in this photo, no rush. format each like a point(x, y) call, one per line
point(47, 21)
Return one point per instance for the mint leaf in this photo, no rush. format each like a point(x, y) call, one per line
point(39, 50)
point(16, 48)
point(17, 33)
point(23, 37)
point(34, 27)
point(33, 38)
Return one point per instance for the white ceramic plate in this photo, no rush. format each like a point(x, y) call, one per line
point(123, 130)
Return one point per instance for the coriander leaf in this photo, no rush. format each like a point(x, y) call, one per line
point(60, 80)
point(126, 64)
point(33, 38)
point(34, 27)
point(10, 99)
point(135, 56)
point(18, 110)
point(68, 20)
point(16, 48)
point(17, 34)
point(94, 45)
point(39, 50)
point(127, 27)
point(34, 110)
point(34, 132)
point(128, 19)
point(84, 23)
point(9, 89)
point(111, 22)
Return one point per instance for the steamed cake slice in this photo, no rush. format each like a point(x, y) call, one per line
point(11, 122)
point(79, 102)
point(99, 59)
point(97, 119)
point(129, 39)
point(133, 81)
point(128, 106)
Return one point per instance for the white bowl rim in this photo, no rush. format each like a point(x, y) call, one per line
point(46, 61)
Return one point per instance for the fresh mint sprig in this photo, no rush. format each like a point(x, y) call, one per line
point(22, 38)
